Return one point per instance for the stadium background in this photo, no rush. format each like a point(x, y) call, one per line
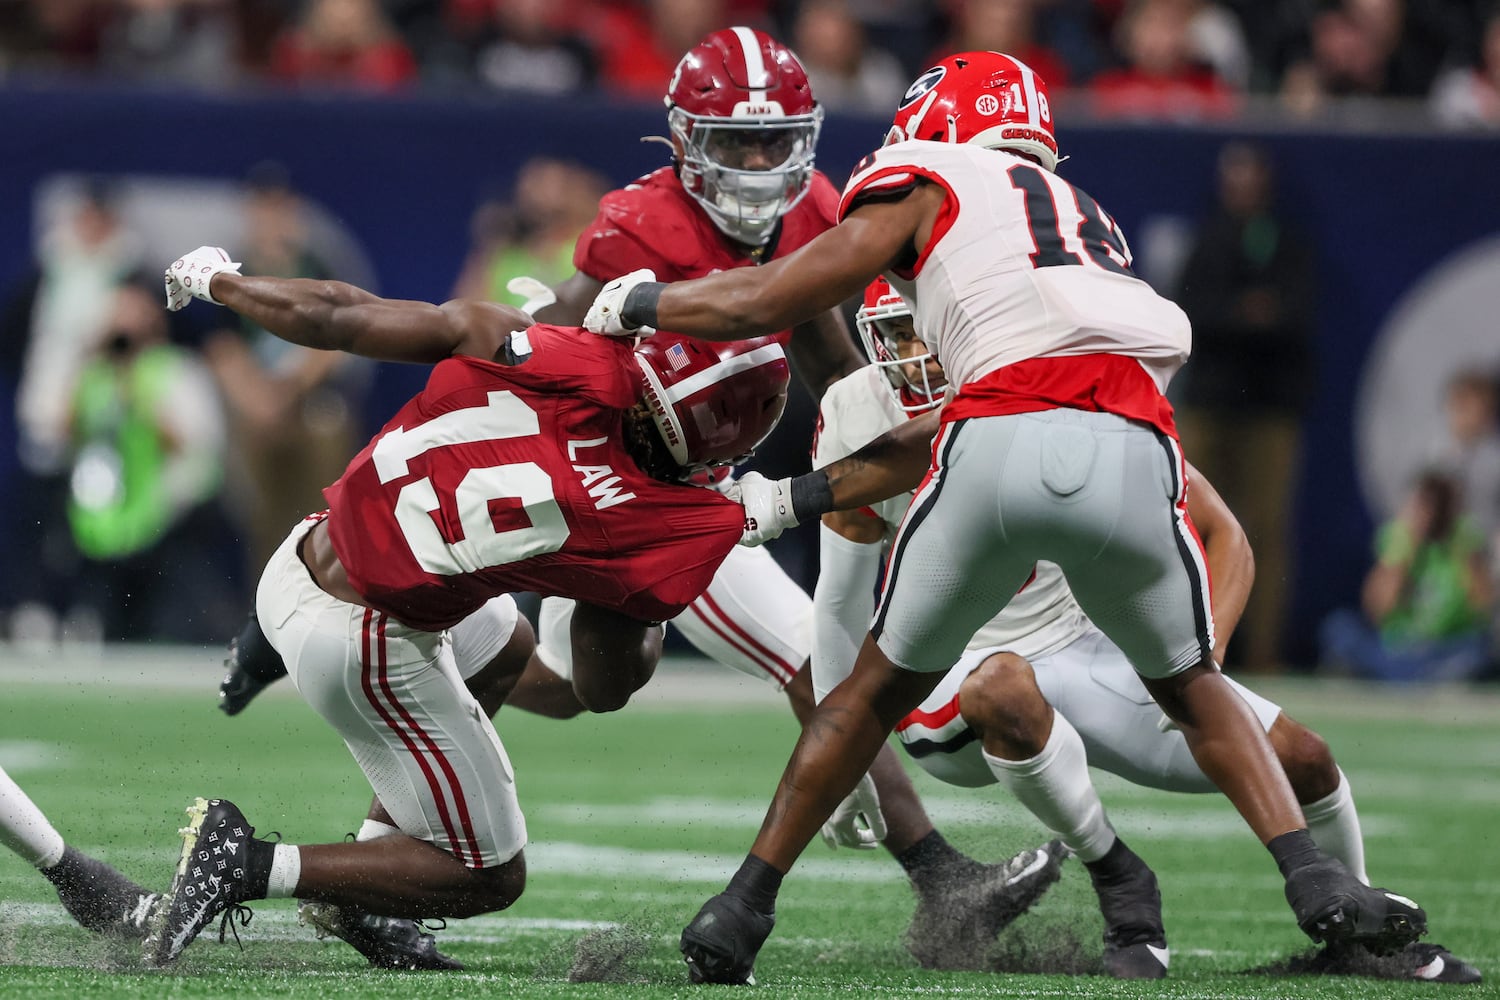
point(1395, 214)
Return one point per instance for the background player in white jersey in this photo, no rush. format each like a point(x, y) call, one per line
point(742, 191)
point(1057, 443)
point(992, 720)
point(93, 893)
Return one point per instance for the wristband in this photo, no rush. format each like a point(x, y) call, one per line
point(639, 308)
point(811, 495)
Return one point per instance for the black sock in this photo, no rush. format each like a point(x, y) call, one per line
point(257, 657)
point(258, 857)
point(931, 851)
point(1293, 850)
point(756, 883)
point(66, 869)
point(1114, 861)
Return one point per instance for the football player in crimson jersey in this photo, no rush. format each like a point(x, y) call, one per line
point(536, 458)
point(1058, 358)
point(992, 720)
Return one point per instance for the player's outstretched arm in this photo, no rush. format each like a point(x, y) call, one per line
point(756, 301)
point(336, 316)
point(893, 463)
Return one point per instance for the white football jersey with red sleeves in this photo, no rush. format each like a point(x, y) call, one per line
point(1042, 617)
point(1020, 265)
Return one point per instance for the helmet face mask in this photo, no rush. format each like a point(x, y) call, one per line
point(744, 129)
point(986, 98)
point(890, 341)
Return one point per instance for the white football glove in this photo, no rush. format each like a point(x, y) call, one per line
point(768, 506)
point(535, 292)
point(190, 275)
point(604, 315)
point(857, 822)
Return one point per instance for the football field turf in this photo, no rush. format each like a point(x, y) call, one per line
point(637, 817)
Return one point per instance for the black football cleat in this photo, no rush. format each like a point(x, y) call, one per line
point(212, 878)
point(1419, 961)
point(964, 906)
point(1135, 942)
point(387, 942)
point(251, 666)
point(99, 897)
point(722, 941)
point(1334, 907)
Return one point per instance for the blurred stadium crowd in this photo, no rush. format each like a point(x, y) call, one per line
point(1136, 59)
point(143, 444)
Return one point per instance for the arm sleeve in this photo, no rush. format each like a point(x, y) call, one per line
point(843, 603)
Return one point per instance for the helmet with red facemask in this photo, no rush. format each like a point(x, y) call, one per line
point(987, 98)
point(884, 329)
point(713, 403)
point(744, 128)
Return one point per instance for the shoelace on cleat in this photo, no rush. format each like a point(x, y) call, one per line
point(235, 913)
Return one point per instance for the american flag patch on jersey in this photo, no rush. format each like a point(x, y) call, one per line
point(677, 357)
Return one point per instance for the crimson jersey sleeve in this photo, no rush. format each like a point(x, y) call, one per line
point(569, 359)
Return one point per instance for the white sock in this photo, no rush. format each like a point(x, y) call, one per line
point(1334, 824)
point(286, 869)
point(1055, 786)
point(373, 829)
point(24, 829)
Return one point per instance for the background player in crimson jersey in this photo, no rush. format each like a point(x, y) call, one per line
point(536, 458)
point(1058, 358)
point(992, 720)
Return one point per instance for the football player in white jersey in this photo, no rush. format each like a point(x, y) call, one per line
point(94, 894)
point(991, 719)
point(1056, 443)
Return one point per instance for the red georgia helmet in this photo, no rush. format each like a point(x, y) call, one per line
point(713, 403)
point(745, 127)
point(883, 303)
point(987, 98)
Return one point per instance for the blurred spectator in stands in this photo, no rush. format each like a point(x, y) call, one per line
point(533, 233)
point(1164, 77)
point(1217, 38)
point(1470, 95)
point(1426, 601)
point(51, 325)
point(639, 53)
point(1468, 450)
point(908, 29)
point(343, 42)
point(1008, 26)
point(533, 45)
point(50, 34)
point(845, 71)
point(1248, 288)
point(293, 411)
point(1366, 49)
point(148, 446)
point(180, 41)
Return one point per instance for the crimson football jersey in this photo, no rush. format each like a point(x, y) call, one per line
point(653, 222)
point(495, 479)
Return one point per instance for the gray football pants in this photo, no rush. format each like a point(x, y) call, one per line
point(1100, 496)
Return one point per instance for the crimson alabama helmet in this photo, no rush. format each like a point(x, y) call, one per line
point(908, 376)
point(713, 403)
point(987, 98)
point(744, 128)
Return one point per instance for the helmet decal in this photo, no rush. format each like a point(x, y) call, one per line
point(921, 85)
